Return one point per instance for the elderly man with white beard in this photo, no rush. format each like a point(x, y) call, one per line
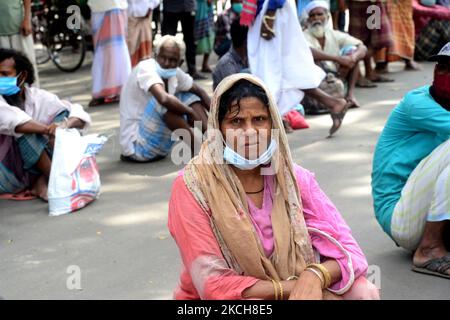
point(335, 51)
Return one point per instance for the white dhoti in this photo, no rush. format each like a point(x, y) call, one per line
point(285, 63)
point(425, 198)
point(26, 46)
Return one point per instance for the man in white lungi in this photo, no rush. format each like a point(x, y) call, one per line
point(279, 54)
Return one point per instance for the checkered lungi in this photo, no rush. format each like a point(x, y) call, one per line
point(376, 38)
point(155, 138)
point(425, 198)
point(18, 158)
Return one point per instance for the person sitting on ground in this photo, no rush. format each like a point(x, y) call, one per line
point(251, 224)
point(222, 43)
point(28, 120)
point(158, 98)
point(328, 47)
point(411, 172)
point(235, 60)
point(279, 54)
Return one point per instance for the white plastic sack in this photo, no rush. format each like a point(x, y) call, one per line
point(74, 176)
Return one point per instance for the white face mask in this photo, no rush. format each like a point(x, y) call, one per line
point(242, 163)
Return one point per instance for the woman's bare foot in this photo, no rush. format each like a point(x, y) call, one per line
point(40, 188)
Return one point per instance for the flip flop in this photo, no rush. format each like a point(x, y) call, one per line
point(435, 267)
point(130, 159)
point(382, 79)
point(365, 83)
point(96, 102)
point(113, 99)
point(21, 196)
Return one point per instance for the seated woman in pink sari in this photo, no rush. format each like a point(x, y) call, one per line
point(249, 223)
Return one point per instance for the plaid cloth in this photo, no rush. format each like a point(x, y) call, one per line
point(204, 27)
point(17, 165)
point(155, 138)
point(376, 38)
point(432, 38)
point(400, 14)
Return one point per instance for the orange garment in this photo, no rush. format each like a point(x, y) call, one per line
point(139, 38)
point(400, 14)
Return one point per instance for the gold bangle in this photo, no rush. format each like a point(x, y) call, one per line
point(326, 274)
point(317, 273)
point(281, 290)
point(267, 27)
point(269, 17)
point(275, 289)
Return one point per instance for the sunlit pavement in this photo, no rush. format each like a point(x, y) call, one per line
point(121, 243)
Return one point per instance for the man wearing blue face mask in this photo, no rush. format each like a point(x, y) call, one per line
point(16, 29)
point(157, 99)
point(28, 121)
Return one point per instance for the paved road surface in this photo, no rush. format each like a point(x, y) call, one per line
point(121, 243)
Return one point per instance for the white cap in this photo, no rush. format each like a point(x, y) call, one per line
point(316, 4)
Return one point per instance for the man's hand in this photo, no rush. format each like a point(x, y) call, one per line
point(51, 129)
point(25, 27)
point(307, 287)
point(193, 116)
point(346, 61)
point(267, 31)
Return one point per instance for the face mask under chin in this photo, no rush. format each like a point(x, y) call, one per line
point(243, 163)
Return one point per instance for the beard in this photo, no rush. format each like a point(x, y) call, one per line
point(317, 29)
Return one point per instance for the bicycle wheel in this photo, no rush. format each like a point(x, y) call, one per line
point(39, 34)
point(67, 48)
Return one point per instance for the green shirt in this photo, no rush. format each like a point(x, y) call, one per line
point(12, 17)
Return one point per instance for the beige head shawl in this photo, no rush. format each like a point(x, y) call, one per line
point(220, 193)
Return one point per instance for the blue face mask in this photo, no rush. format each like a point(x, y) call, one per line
point(242, 163)
point(165, 73)
point(8, 86)
point(237, 7)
